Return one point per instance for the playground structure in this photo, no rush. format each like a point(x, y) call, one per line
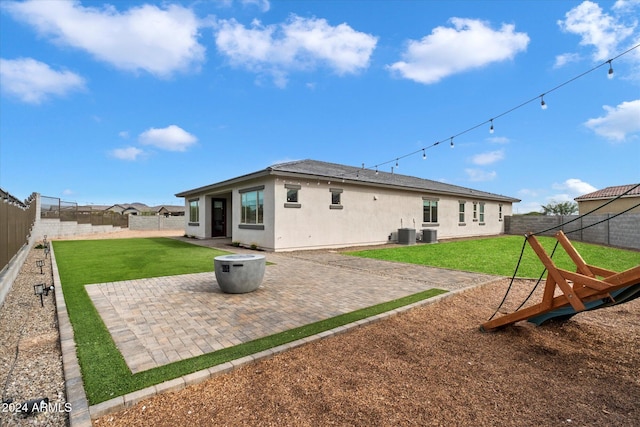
point(579, 291)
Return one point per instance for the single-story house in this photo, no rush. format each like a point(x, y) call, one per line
point(591, 201)
point(311, 204)
point(169, 210)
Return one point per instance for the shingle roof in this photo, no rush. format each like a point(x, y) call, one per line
point(611, 192)
point(351, 173)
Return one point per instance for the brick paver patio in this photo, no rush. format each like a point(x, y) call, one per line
point(162, 320)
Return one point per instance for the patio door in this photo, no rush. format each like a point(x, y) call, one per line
point(219, 216)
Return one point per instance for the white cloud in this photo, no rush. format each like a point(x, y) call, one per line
point(33, 81)
point(525, 207)
point(480, 175)
point(128, 153)
point(498, 140)
point(171, 138)
point(488, 158)
point(574, 188)
point(159, 41)
point(298, 44)
point(263, 5)
point(566, 58)
point(619, 122)
point(598, 29)
point(124, 134)
point(470, 44)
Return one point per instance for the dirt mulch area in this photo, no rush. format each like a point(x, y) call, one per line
point(429, 366)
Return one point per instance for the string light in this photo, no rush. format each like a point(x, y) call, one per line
point(543, 105)
point(424, 154)
point(376, 169)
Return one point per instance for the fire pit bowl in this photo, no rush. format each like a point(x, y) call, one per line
point(239, 273)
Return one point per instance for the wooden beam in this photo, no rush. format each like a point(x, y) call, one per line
point(588, 281)
point(582, 266)
point(552, 270)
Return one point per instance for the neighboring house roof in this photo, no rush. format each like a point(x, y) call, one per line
point(130, 207)
point(169, 208)
point(611, 192)
point(314, 169)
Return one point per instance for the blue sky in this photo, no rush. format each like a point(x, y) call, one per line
point(134, 101)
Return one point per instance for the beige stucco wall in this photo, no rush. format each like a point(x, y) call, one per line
point(619, 205)
point(261, 238)
point(369, 215)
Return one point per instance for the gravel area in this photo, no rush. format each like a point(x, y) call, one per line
point(30, 356)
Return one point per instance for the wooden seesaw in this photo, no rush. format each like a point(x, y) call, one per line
point(580, 291)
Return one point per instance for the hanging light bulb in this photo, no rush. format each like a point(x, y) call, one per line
point(491, 128)
point(376, 169)
point(424, 155)
point(397, 163)
point(610, 74)
point(451, 143)
point(543, 104)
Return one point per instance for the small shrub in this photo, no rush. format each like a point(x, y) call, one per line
point(236, 244)
point(254, 246)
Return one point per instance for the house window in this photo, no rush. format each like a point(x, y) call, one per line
point(475, 211)
point(336, 198)
point(194, 211)
point(481, 213)
point(461, 212)
point(429, 210)
point(292, 195)
point(500, 212)
point(252, 205)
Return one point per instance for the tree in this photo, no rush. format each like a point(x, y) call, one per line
point(560, 208)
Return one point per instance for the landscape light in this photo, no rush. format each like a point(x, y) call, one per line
point(40, 263)
point(41, 289)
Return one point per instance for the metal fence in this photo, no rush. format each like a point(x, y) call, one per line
point(55, 208)
point(16, 220)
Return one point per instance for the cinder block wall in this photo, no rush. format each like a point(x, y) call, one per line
point(156, 222)
point(622, 231)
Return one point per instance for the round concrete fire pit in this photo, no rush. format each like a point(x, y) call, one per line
point(239, 274)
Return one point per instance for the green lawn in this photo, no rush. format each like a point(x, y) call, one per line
point(499, 255)
point(104, 372)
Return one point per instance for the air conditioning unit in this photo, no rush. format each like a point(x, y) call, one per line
point(429, 236)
